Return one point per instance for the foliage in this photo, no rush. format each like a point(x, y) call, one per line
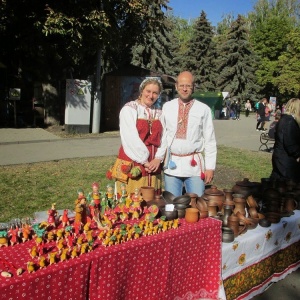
point(288, 80)
point(236, 63)
point(271, 22)
point(152, 51)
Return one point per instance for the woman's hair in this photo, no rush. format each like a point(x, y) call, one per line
point(151, 80)
point(293, 108)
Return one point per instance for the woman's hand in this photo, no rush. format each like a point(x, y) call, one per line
point(152, 166)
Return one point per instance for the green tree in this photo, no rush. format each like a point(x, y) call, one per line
point(288, 80)
point(200, 54)
point(152, 51)
point(271, 22)
point(236, 63)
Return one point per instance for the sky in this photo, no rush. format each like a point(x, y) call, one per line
point(214, 9)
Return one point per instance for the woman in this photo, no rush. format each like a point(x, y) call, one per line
point(286, 155)
point(140, 131)
point(247, 108)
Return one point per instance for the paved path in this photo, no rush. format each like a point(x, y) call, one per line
point(31, 145)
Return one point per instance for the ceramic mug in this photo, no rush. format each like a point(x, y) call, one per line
point(192, 215)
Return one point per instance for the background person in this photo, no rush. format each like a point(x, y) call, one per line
point(286, 153)
point(140, 131)
point(188, 132)
point(238, 107)
point(248, 108)
point(261, 118)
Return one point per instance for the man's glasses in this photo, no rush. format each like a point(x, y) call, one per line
point(185, 86)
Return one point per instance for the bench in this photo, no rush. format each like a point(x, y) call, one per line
point(267, 143)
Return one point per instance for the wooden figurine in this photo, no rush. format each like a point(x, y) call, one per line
point(33, 252)
point(26, 232)
point(64, 254)
point(30, 267)
point(74, 252)
point(95, 196)
point(42, 262)
point(52, 213)
point(3, 239)
point(52, 258)
point(65, 219)
point(13, 234)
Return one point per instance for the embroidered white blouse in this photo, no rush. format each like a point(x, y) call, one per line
point(132, 144)
point(197, 136)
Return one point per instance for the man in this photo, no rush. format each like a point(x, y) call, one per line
point(188, 133)
point(261, 118)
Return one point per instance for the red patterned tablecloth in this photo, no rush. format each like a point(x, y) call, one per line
point(183, 263)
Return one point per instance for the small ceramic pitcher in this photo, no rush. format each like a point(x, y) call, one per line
point(191, 215)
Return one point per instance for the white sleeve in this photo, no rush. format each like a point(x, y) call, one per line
point(210, 147)
point(131, 142)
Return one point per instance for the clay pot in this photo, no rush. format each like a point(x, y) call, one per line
point(200, 204)
point(193, 197)
point(289, 202)
point(253, 212)
point(192, 215)
point(170, 215)
point(251, 202)
point(227, 213)
point(239, 204)
point(203, 214)
point(228, 194)
point(212, 207)
point(264, 223)
point(273, 217)
point(184, 199)
point(181, 213)
point(214, 194)
point(168, 197)
point(227, 235)
point(247, 188)
point(147, 192)
point(234, 224)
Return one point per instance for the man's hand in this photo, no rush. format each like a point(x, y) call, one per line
point(209, 176)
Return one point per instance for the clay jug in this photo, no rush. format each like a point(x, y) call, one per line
point(239, 204)
point(227, 213)
point(233, 222)
point(191, 215)
point(147, 192)
point(228, 194)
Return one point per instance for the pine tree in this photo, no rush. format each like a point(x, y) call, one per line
point(236, 63)
point(200, 58)
point(152, 51)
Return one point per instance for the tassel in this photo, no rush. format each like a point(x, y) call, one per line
point(193, 162)
point(172, 165)
point(202, 176)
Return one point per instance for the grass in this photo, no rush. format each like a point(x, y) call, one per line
point(29, 188)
